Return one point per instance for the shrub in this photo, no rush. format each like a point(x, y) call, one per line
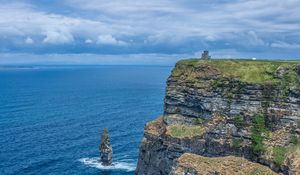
point(258, 128)
point(177, 110)
point(259, 123)
point(279, 155)
point(236, 143)
point(260, 172)
point(294, 140)
point(239, 122)
point(257, 147)
point(218, 83)
point(198, 121)
point(229, 95)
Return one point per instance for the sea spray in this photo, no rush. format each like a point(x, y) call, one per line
point(119, 165)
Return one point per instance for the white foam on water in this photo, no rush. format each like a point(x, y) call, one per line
point(95, 162)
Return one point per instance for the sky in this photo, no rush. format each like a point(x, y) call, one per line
point(146, 31)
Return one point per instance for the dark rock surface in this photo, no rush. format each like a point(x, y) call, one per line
point(105, 149)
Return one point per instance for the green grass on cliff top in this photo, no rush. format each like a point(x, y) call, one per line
point(256, 71)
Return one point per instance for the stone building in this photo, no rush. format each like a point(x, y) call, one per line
point(205, 55)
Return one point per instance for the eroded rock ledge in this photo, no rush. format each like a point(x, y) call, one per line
point(215, 109)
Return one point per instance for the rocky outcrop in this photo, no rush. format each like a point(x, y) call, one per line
point(215, 111)
point(105, 149)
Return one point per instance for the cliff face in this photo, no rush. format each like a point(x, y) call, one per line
point(220, 108)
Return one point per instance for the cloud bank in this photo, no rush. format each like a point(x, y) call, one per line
point(248, 28)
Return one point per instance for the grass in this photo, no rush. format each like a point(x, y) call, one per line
point(221, 165)
point(247, 71)
point(185, 131)
point(258, 172)
point(279, 155)
point(259, 71)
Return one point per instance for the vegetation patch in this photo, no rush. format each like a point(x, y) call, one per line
point(221, 165)
point(198, 121)
point(257, 134)
point(259, 71)
point(279, 155)
point(295, 140)
point(239, 122)
point(258, 172)
point(294, 146)
point(236, 143)
point(185, 131)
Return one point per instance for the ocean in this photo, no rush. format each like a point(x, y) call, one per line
point(51, 117)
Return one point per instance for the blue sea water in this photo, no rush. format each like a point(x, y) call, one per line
point(51, 117)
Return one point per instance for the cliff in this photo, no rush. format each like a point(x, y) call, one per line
point(221, 110)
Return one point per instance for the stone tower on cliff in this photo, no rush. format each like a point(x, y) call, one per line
point(105, 149)
point(205, 55)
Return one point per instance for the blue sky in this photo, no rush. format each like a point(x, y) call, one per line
point(146, 32)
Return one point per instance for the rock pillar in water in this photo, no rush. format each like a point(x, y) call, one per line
point(106, 149)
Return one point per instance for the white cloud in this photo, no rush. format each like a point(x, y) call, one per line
point(168, 22)
point(58, 37)
point(119, 18)
point(88, 41)
point(285, 45)
point(109, 40)
point(22, 20)
point(209, 20)
point(29, 40)
point(254, 39)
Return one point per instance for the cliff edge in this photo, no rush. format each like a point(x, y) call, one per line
point(226, 117)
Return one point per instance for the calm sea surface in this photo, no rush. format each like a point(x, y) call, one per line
point(51, 117)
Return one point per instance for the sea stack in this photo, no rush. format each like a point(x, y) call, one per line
point(106, 149)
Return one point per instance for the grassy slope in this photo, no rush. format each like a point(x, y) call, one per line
point(258, 71)
point(224, 165)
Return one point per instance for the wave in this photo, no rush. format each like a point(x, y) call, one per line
point(95, 163)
